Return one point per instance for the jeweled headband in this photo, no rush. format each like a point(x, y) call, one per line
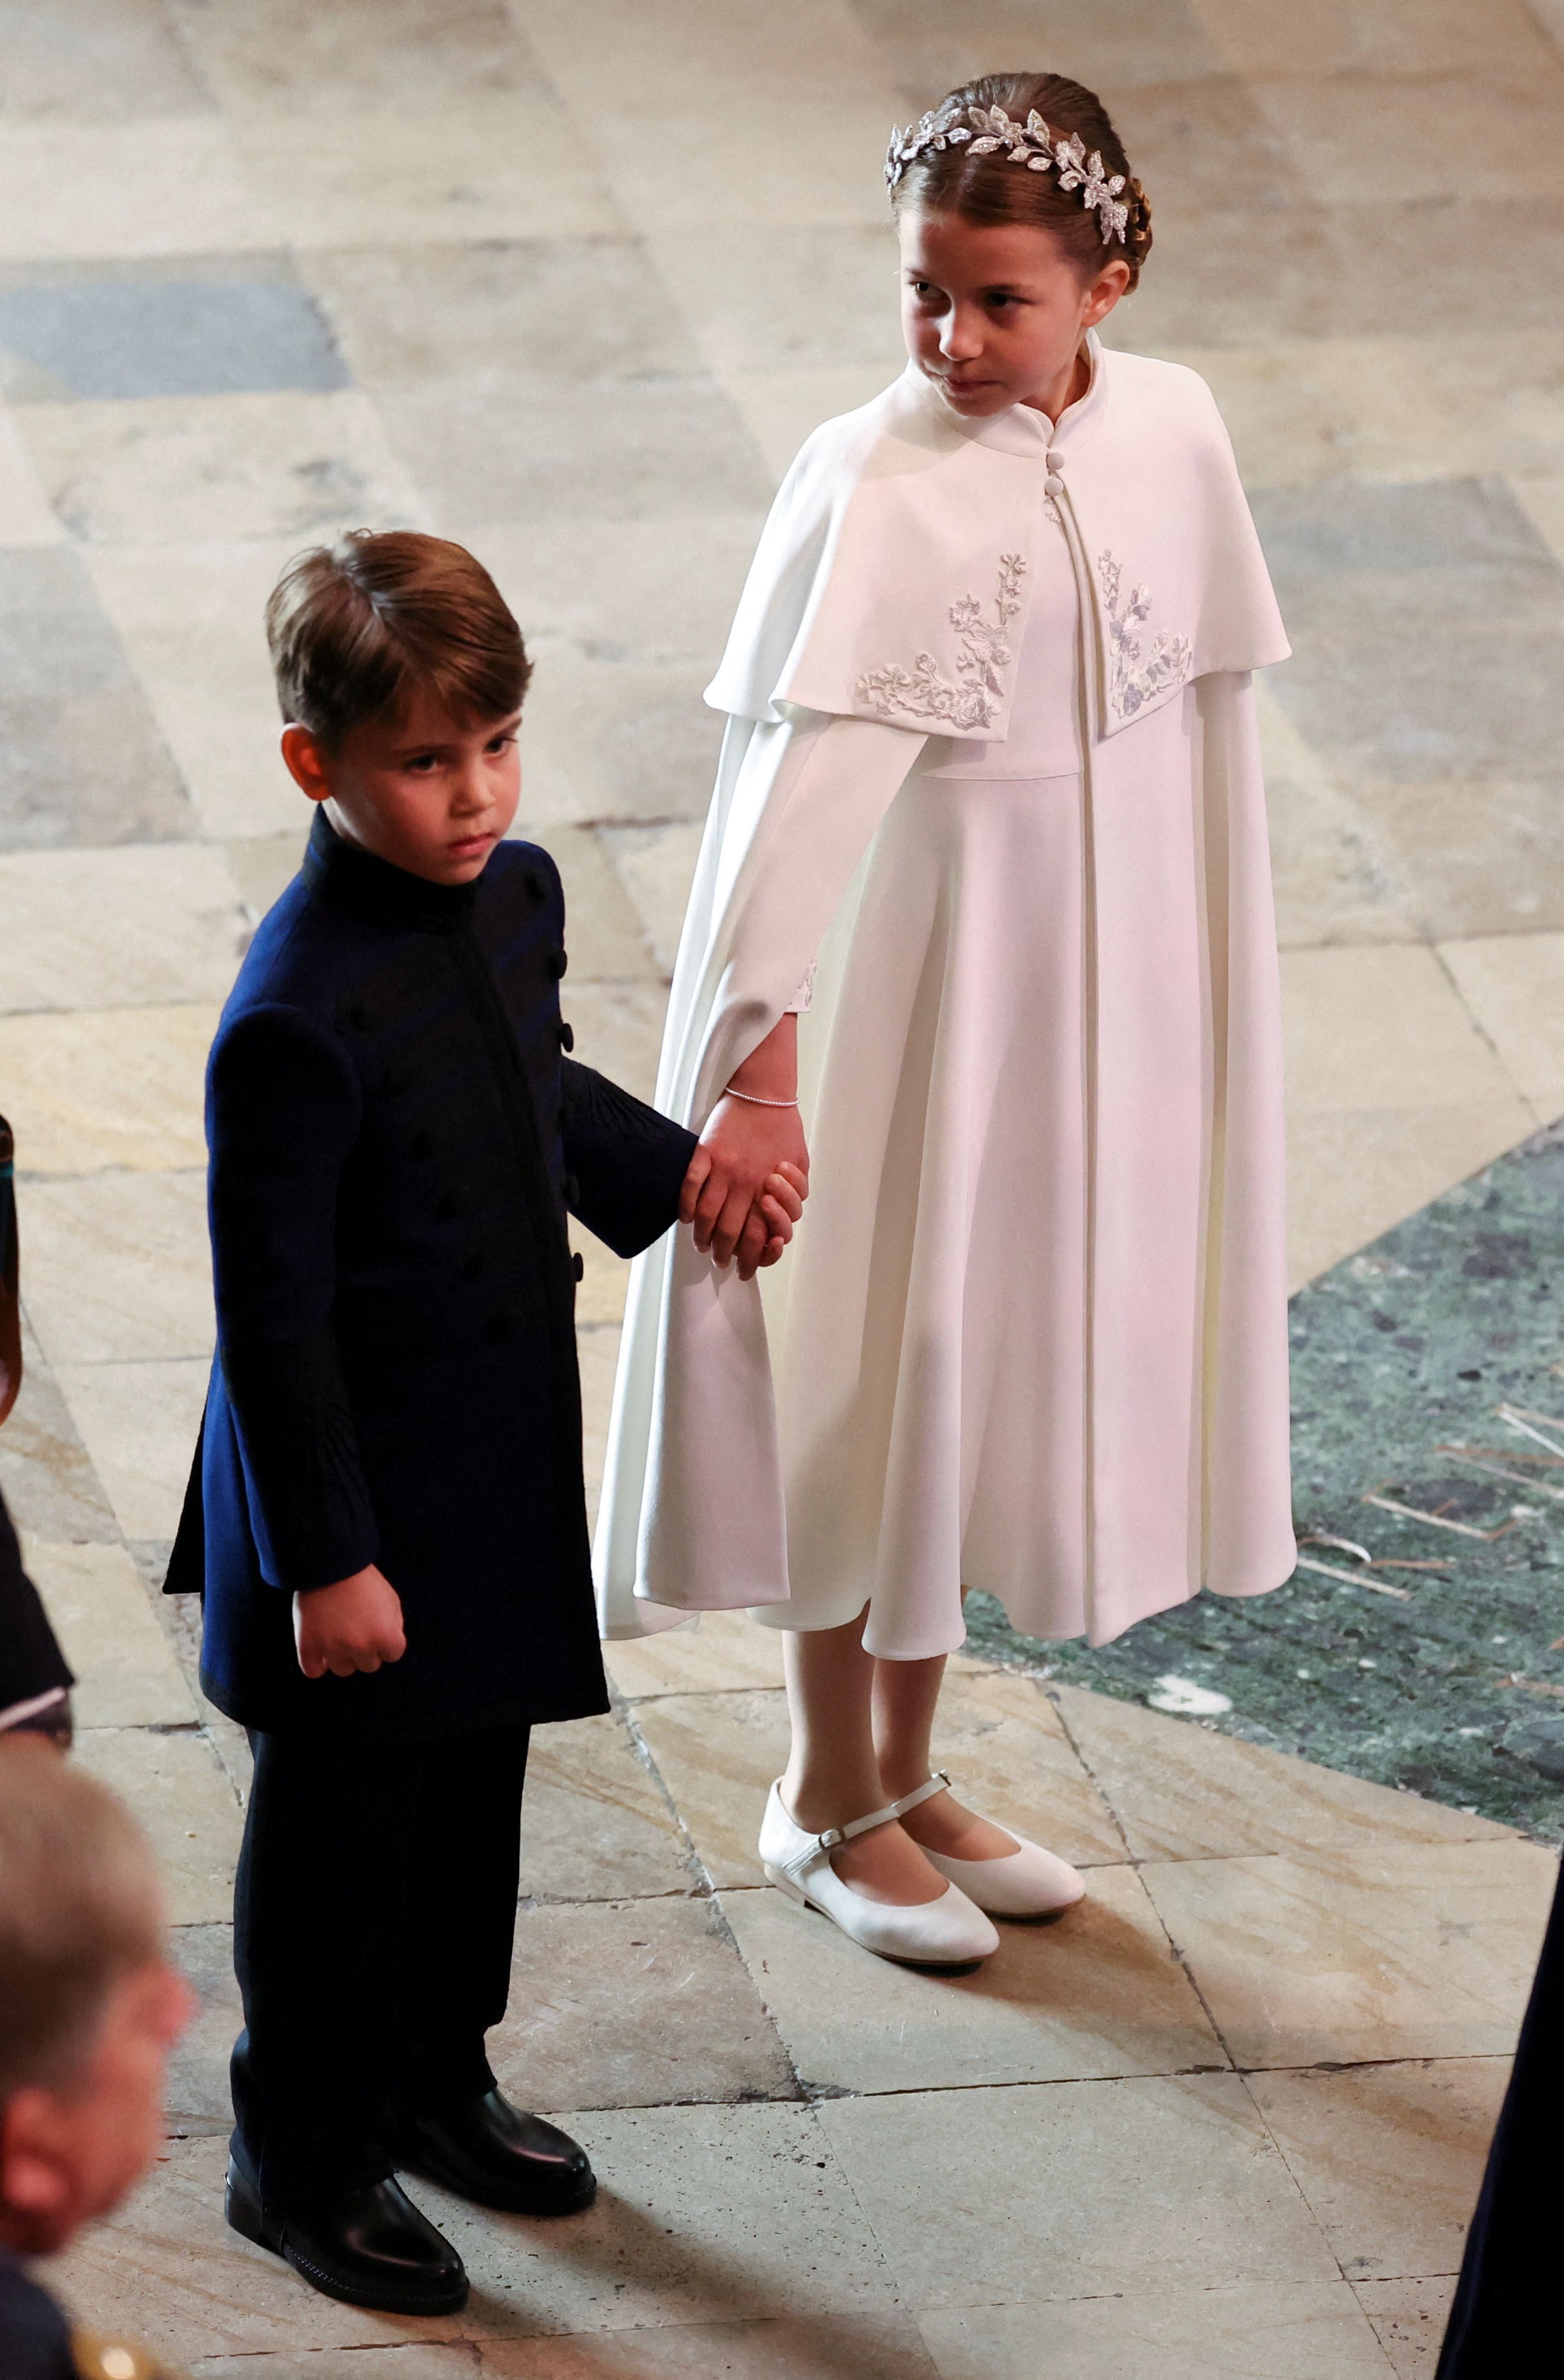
point(985, 130)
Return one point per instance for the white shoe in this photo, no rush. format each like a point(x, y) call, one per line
point(945, 1933)
point(1027, 1882)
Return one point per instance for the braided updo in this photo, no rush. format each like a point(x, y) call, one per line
point(989, 189)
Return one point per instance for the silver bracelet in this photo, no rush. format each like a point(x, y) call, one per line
point(755, 1100)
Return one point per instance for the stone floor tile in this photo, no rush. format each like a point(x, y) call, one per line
point(656, 866)
point(1389, 131)
point(706, 2214)
point(932, 47)
point(716, 1651)
point(191, 326)
point(835, 147)
point(1295, 2330)
point(1541, 501)
point(600, 1297)
point(1000, 1737)
point(263, 865)
point(298, 55)
point(139, 1423)
point(764, 296)
point(404, 314)
point(1389, 2157)
point(507, 165)
point(96, 60)
point(1132, 2187)
point(1415, 1951)
point(288, 464)
point(1180, 1792)
point(596, 1824)
point(1486, 37)
point(885, 2348)
point(1094, 1992)
point(197, 2099)
point(632, 2004)
point(127, 1673)
point(1186, 136)
point(1482, 855)
point(119, 1268)
point(597, 1348)
point(49, 1484)
point(814, 46)
point(27, 517)
point(717, 1753)
point(190, 617)
point(1237, 278)
point(1513, 983)
point(515, 447)
point(602, 930)
point(164, 2269)
point(780, 408)
point(1354, 1173)
point(169, 186)
point(450, 2360)
point(143, 926)
point(618, 739)
point(81, 758)
point(669, 595)
point(107, 1087)
point(1408, 2320)
point(1335, 876)
point(175, 1785)
point(619, 1029)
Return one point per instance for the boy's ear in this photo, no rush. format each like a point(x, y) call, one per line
point(304, 757)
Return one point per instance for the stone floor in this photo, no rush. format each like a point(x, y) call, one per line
point(569, 279)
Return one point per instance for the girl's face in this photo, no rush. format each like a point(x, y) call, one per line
point(995, 313)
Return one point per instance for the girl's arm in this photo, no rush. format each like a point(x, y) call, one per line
point(753, 1130)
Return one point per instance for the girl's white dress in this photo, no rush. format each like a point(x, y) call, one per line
point(1032, 1335)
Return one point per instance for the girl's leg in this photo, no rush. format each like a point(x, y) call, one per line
point(831, 1775)
point(904, 1697)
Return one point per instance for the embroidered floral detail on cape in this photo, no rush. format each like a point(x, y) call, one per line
point(983, 653)
point(1131, 682)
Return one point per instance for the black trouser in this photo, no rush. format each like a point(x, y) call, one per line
point(375, 1913)
point(1506, 2298)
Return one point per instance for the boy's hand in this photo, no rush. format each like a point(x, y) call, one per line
point(356, 1624)
point(768, 1227)
point(741, 1147)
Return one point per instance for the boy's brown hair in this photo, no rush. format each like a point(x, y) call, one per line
point(356, 627)
point(80, 1908)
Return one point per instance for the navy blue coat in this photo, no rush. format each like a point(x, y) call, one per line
point(395, 1138)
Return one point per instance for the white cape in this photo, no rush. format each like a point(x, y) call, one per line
point(887, 600)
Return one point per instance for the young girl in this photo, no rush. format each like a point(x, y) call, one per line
point(991, 760)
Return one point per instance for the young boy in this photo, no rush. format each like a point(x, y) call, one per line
point(387, 1516)
point(89, 2010)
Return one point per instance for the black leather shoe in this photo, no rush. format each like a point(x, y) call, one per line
point(370, 2247)
point(498, 2155)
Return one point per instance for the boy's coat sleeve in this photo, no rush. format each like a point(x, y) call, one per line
point(283, 1111)
point(625, 1163)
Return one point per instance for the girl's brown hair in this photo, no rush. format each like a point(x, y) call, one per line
point(990, 190)
point(356, 627)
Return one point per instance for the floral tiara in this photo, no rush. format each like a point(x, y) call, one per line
point(988, 129)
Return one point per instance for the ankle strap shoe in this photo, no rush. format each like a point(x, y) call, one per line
point(948, 1932)
point(1027, 1882)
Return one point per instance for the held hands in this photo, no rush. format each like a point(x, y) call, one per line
point(747, 1184)
point(356, 1624)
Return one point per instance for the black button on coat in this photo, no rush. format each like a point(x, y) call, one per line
point(391, 1123)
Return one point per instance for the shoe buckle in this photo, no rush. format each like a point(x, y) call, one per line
point(831, 1839)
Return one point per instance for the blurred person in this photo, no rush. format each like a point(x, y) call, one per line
point(35, 1680)
point(991, 764)
point(90, 2007)
point(386, 1517)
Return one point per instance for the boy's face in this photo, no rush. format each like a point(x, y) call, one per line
point(428, 795)
point(67, 2157)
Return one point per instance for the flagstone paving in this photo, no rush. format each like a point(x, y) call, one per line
point(569, 280)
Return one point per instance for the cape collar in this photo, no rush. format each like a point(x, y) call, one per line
point(1021, 429)
point(371, 888)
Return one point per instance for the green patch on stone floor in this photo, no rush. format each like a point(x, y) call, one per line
point(1427, 1374)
